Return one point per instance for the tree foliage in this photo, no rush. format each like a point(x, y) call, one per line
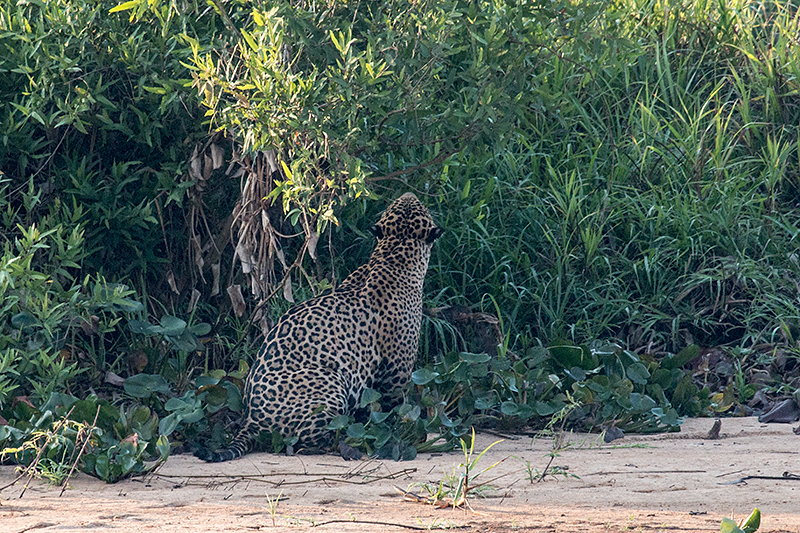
point(618, 181)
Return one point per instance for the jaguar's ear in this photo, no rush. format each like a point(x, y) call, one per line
point(377, 231)
point(434, 234)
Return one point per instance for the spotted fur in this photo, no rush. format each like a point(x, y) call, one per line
point(317, 360)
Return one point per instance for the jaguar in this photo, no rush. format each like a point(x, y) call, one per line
point(321, 355)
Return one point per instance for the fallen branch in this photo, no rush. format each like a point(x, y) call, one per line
point(648, 472)
point(316, 478)
point(786, 476)
point(411, 497)
point(372, 522)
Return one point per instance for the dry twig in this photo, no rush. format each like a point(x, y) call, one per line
point(324, 477)
point(82, 450)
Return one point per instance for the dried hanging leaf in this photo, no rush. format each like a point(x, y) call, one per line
point(280, 255)
point(171, 282)
point(195, 165)
point(262, 319)
point(193, 300)
point(215, 283)
point(256, 246)
point(312, 240)
point(198, 256)
point(272, 161)
point(217, 155)
point(208, 167)
point(237, 300)
point(238, 174)
point(255, 286)
point(235, 162)
point(265, 325)
point(287, 289)
point(243, 252)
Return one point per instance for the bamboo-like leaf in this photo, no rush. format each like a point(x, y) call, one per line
point(124, 6)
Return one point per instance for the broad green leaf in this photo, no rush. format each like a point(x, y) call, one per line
point(409, 453)
point(143, 328)
point(544, 409)
point(474, 357)
point(194, 416)
point(277, 441)
point(378, 417)
point(668, 417)
point(729, 526)
point(141, 415)
point(217, 395)
point(369, 396)
point(162, 445)
point(641, 403)
point(185, 342)
point(235, 403)
point(411, 414)
point(168, 424)
point(576, 373)
point(101, 465)
point(509, 408)
point(638, 373)
point(205, 380)
point(423, 376)
point(87, 410)
point(145, 385)
point(339, 422)
point(481, 370)
point(536, 356)
point(568, 356)
point(172, 325)
point(127, 462)
point(446, 421)
point(177, 404)
point(201, 329)
point(23, 320)
point(126, 305)
point(356, 431)
point(484, 402)
point(752, 522)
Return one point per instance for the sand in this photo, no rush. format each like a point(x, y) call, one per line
point(668, 482)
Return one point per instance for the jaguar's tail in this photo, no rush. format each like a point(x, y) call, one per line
point(241, 444)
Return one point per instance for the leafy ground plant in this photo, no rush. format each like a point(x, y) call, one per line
point(746, 525)
point(454, 490)
point(51, 447)
point(67, 433)
point(272, 505)
point(467, 479)
point(554, 471)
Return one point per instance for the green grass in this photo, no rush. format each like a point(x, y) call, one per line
point(652, 197)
